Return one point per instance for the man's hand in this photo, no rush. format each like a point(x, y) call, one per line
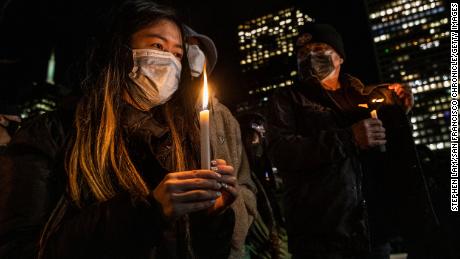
point(5, 120)
point(369, 133)
point(404, 93)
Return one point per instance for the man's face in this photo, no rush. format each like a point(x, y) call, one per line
point(196, 56)
point(319, 60)
point(304, 51)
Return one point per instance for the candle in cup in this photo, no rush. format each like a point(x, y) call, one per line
point(204, 128)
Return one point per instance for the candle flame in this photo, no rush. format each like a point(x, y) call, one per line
point(380, 100)
point(205, 89)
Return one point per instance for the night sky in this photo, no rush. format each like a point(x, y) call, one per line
point(30, 29)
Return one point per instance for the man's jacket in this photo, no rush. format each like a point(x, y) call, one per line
point(326, 175)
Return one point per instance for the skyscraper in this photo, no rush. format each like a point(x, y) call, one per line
point(412, 44)
point(267, 53)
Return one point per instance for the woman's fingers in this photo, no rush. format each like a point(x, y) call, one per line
point(206, 174)
point(229, 180)
point(218, 162)
point(200, 179)
point(189, 191)
point(196, 196)
point(176, 185)
point(200, 184)
point(232, 190)
point(225, 170)
point(228, 174)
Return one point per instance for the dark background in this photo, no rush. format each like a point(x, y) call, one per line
point(30, 29)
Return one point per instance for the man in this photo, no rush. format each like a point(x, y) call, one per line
point(344, 197)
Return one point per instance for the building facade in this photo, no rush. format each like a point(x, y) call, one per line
point(412, 44)
point(267, 54)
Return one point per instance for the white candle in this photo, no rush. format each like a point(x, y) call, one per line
point(204, 128)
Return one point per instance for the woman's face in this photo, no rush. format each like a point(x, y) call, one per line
point(163, 35)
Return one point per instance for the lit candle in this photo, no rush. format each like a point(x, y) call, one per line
point(374, 114)
point(204, 128)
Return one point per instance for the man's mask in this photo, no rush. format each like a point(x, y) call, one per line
point(196, 59)
point(316, 64)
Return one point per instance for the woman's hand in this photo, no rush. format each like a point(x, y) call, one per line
point(229, 186)
point(5, 120)
point(181, 193)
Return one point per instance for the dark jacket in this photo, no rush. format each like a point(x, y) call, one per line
point(326, 176)
point(32, 182)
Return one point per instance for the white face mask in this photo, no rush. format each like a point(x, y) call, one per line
point(196, 59)
point(156, 76)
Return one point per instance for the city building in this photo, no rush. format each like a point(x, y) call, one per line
point(412, 45)
point(267, 54)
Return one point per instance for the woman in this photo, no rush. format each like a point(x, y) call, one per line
point(122, 189)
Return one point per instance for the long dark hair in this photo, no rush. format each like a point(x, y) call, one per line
point(98, 157)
